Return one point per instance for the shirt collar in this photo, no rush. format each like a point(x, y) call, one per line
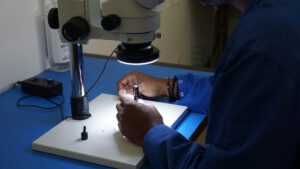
point(251, 5)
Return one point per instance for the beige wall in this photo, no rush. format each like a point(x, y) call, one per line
point(186, 31)
point(22, 48)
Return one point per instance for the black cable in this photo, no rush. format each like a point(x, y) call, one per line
point(57, 105)
point(102, 71)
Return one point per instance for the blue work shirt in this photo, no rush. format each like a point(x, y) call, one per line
point(254, 110)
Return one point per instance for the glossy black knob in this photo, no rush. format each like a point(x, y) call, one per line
point(53, 20)
point(84, 134)
point(77, 28)
point(110, 22)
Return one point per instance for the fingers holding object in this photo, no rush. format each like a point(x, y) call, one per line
point(125, 100)
point(120, 129)
point(120, 110)
point(127, 82)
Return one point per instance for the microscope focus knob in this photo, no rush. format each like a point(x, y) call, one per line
point(111, 22)
point(77, 28)
point(53, 20)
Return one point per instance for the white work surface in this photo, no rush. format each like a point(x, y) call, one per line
point(105, 144)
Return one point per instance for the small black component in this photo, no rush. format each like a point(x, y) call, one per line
point(53, 20)
point(84, 134)
point(111, 22)
point(41, 87)
point(136, 92)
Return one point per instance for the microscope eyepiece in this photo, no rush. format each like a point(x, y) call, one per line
point(77, 28)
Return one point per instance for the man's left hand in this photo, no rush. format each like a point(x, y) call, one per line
point(136, 119)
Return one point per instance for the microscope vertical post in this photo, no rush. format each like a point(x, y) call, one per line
point(79, 99)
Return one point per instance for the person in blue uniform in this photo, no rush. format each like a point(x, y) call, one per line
point(253, 98)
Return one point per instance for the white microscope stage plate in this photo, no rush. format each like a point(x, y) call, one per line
point(105, 144)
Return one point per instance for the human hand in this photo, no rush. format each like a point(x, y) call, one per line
point(136, 119)
point(149, 86)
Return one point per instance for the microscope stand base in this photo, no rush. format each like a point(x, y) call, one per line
point(104, 145)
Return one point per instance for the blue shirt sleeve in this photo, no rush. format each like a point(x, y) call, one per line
point(194, 92)
point(165, 148)
point(252, 98)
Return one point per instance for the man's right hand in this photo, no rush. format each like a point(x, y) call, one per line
point(149, 86)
